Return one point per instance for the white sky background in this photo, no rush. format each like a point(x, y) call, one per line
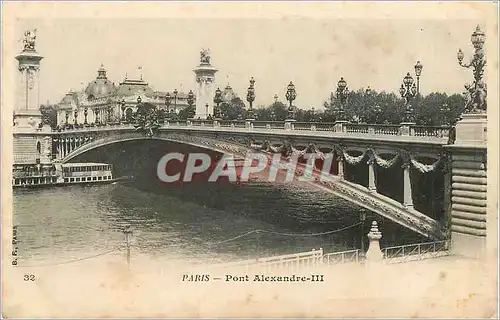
point(312, 52)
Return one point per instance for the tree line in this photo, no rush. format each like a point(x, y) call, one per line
point(362, 106)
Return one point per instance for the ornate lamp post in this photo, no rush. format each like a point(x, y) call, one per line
point(175, 99)
point(291, 94)
point(313, 114)
point(75, 115)
point(445, 110)
point(109, 114)
point(251, 99)
point(67, 116)
point(206, 109)
point(276, 98)
point(122, 105)
point(190, 98)
point(408, 91)
point(217, 100)
point(86, 112)
point(418, 72)
point(342, 94)
point(96, 115)
point(378, 112)
point(273, 115)
point(476, 92)
point(167, 103)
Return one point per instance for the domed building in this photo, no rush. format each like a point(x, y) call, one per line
point(102, 101)
point(228, 94)
point(101, 87)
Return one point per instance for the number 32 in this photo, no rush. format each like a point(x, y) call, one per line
point(29, 277)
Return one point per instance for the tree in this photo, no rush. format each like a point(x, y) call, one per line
point(187, 113)
point(232, 110)
point(49, 115)
point(455, 106)
point(146, 118)
point(429, 111)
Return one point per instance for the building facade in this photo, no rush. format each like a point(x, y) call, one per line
point(102, 101)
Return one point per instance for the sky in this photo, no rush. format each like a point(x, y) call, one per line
point(313, 52)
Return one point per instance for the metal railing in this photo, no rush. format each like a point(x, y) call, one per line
point(297, 260)
point(342, 257)
point(417, 251)
point(396, 254)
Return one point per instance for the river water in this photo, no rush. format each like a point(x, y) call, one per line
point(195, 223)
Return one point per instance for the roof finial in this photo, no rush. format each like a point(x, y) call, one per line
point(140, 71)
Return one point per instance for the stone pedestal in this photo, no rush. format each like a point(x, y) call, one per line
point(340, 126)
point(289, 124)
point(405, 128)
point(469, 212)
point(249, 123)
point(471, 129)
point(374, 254)
point(467, 245)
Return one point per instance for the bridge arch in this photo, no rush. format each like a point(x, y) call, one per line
point(357, 194)
point(222, 147)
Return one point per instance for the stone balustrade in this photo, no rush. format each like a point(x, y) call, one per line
point(357, 129)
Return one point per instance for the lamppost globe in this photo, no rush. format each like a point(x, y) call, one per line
point(190, 98)
point(342, 83)
point(139, 99)
point(418, 68)
point(217, 100)
point(414, 89)
point(460, 55)
point(290, 92)
point(408, 80)
point(218, 92)
point(477, 38)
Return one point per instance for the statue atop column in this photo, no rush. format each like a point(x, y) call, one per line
point(29, 40)
point(205, 56)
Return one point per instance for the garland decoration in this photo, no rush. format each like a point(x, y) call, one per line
point(354, 160)
point(298, 152)
point(424, 168)
point(386, 164)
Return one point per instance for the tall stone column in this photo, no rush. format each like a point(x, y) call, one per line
point(340, 162)
point(372, 187)
point(205, 88)
point(408, 197)
point(28, 133)
point(27, 115)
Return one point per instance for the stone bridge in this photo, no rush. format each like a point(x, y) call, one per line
point(379, 145)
